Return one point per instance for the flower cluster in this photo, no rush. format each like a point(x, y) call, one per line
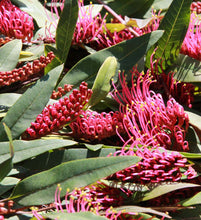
point(26, 72)
point(91, 125)
point(157, 165)
point(192, 40)
point(61, 91)
point(14, 22)
point(147, 120)
point(54, 117)
point(96, 198)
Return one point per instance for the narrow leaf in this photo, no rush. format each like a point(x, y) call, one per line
point(29, 105)
point(40, 188)
point(101, 85)
point(127, 53)
point(196, 199)
point(8, 132)
point(174, 24)
point(73, 216)
point(5, 167)
point(139, 209)
point(65, 28)
point(9, 55)
point(27, 149)
point(165, 188)
point(7, 184)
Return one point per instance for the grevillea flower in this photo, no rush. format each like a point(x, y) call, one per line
point(91, 125)
point(147, 120)
point(54, 117)
point(192, 40)
point(14, 22)
point(97, 198)
point(26, 72)
point(157, 165)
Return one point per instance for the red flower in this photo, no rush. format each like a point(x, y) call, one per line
point(91, 125)
point(55, 116)
point(14, 22)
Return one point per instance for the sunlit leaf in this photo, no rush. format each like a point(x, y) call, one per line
point(101, 86)
point(9, 55)
point(40, 188)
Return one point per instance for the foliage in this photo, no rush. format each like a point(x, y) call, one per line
point(127, 132)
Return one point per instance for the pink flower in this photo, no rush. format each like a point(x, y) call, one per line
point(55, 116)
point(192, 40)
point(147, 120)
point(157, 165)
point(91, 125)
point(14, 22)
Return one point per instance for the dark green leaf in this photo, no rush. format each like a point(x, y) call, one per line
point(65, 28)
point(175, 24)
point(73, 216)
point(28, 149)
point(5, 168)
point(127, 53)
point(29, 105)
point(187, 69)
point(40, 188)
point(94, 147)
point(101, 86)
point(9, 55)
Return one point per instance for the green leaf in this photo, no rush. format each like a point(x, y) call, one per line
point(101, 85)
point(65, 28)
point(165, 188)
point(9, 55)
point(29, 105)
point(8, 132)
point(40, 188)
point(8, 99)
point(7, 184)
point(175, 24)
point(127, 53)
point(28, 149)
point(56, 61)
point(196, 199)
point(93, 147)
point(5, 167)
point(139, 209)
point(73, 216)
point(187, 69)
point(129, 8)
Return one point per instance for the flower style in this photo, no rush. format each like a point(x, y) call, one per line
point(96, 198)
point(26, 72)
point(54, 117)
point(14, 22)
point(192, 40)
point(147, 120)
point(91, 125)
